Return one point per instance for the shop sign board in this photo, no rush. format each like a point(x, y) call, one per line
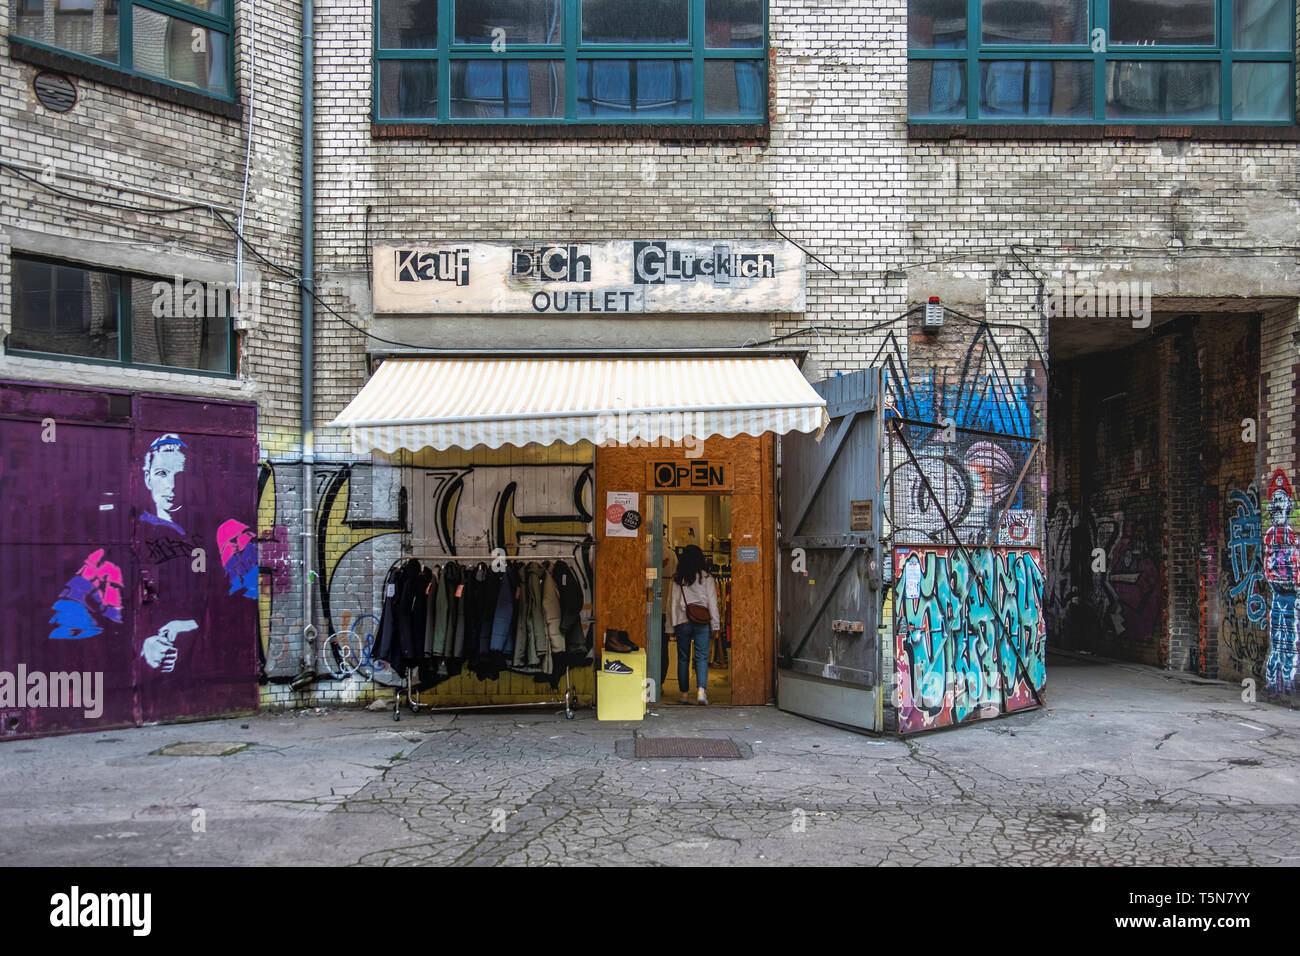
point(710, 475)
point(585, 279)
point(747, 555)
point(860, 515)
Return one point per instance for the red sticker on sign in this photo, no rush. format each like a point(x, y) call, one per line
point(614, 513)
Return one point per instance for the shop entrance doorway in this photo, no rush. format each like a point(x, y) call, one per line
point(679, 522)
point(719, 487)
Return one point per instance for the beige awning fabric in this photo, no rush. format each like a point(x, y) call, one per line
point(415, 403)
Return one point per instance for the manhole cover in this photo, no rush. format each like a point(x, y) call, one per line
point(687, 747)
point(212, 748)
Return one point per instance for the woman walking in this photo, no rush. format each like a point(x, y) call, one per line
point(692, 614)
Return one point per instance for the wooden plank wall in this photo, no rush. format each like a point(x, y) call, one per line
point(620, 568)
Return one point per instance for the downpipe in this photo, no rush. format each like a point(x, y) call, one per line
point(307, 673)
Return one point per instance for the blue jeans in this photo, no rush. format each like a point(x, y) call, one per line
point(688, 634)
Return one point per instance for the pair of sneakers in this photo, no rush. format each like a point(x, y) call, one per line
point(701, 698)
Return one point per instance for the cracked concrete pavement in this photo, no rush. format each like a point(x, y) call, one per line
point(1126, 766)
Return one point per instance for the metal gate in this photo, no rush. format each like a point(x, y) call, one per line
point(128, 562)
point(829, 655)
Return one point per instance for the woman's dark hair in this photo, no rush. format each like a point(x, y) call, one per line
point(690, 565)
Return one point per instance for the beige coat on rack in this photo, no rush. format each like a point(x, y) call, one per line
point(551, 609)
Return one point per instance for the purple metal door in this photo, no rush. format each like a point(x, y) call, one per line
point(128, 562)
point(66, 649)
point(194, 497)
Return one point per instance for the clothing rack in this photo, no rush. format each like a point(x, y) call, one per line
point(412, 698)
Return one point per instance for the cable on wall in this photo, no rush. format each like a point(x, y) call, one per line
point(771, 221)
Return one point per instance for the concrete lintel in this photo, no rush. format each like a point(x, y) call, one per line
point(144, 258)
point(961, 287)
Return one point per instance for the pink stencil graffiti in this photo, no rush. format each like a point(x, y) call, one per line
point(106, 576)
point(91, 596)
point(238, 546)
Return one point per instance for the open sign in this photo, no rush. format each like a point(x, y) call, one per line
point(689, 475)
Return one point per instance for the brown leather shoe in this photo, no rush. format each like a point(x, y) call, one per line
point(618, 643)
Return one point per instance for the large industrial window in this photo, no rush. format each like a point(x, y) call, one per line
point(1095, 61)
point(186, 43)
point(575, 61)
point(66, 310)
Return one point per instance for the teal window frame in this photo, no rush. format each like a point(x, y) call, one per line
point(125, 52)
point(571, 51)
point(976, 51)
point(124, 330)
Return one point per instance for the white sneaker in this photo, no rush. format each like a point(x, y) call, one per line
point(702, 698)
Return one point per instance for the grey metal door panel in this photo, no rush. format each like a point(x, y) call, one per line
point(832, 701)
point(830, 560)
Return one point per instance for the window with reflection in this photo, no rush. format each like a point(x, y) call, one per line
point(185, 43)
point(1097, 61)
point(571, 61)
point(61, 309)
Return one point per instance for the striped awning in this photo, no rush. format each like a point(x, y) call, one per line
point(442, 403)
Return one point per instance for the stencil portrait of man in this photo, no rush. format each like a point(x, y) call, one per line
point(167, 554)
point(164, 463)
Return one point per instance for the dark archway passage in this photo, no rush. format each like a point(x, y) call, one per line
point(1154, 529)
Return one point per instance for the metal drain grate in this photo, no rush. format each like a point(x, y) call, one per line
point(718, 748)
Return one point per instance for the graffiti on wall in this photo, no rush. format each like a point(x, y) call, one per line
point(1243, 600)
point(1245, 552)
point(1282, 571)
point(362, 512)
point(484, 507)
point(165, 541)
point(353, 536)
point(957, 643)
point(344, 525)
point(1061, 592)
point(1126, 597)
point(237, 544)
point(986, 413)
point(1123, 598)
point(91, 598)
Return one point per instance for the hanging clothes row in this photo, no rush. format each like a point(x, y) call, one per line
point(443, 618)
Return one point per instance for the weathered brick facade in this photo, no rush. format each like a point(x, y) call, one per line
point(894, 215)
point(129, 142)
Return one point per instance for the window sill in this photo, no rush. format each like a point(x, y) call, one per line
point(111, 76)
point(753, 134)
point(34, 366)
point(1039, 132)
